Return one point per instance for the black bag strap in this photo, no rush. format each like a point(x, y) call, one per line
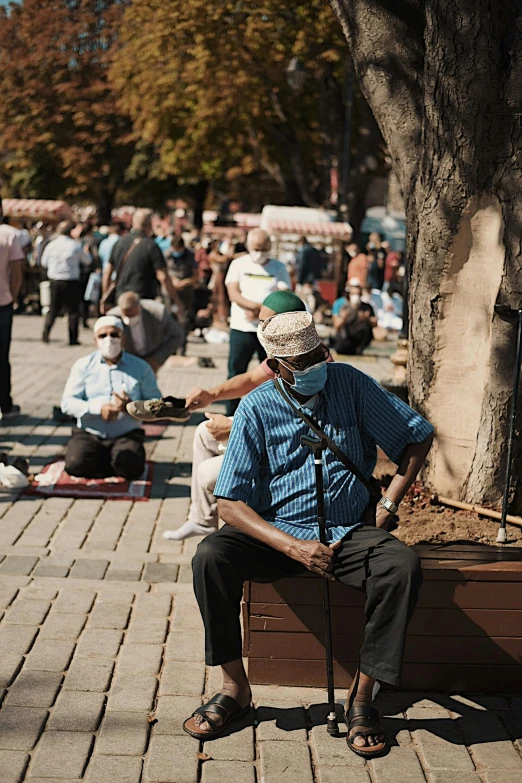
point(316, 429)
point(125, 258)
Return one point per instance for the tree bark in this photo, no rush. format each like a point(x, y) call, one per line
point(200, 195)
point(444, 85)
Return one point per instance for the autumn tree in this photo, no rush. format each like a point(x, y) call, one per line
point(62, 131)
point(444, 82)
point(205, 82)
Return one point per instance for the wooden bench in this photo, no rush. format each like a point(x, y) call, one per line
point(465, 635)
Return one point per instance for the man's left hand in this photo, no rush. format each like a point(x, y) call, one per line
point(121, 400)
point(383, 518)
point(219, 426)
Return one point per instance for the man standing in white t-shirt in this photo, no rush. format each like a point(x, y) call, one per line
point(249, 280)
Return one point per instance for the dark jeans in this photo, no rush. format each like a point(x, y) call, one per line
point(243, 345)
point(6, 325)
point(67, 294)
point(90, 456)
point(186, 313)
point(353, 340)
point(370, 560)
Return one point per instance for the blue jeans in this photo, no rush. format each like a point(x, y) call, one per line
point(6, 324)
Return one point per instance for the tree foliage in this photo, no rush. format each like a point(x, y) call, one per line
point(62, 131)
point(206, 83)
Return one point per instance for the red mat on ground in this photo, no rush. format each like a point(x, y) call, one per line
point(54, 481)
point(154, 430)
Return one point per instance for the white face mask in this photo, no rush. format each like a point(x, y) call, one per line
point(354, 299)
point(132, 320)
point(259, 256)
point(109, 347)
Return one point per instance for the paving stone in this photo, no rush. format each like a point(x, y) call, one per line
point(76, 711)
point(132, 694)
point(129, 572)
point(18, 565)
point(7, 595)
point(123, 734)
point(17, 638)
point(89, 674)
point(231, 771)
point(331, 751)
point(140, 659)
point(147, 630)
point(10, 665)
point(88, 569)
point(172, 711)
point(439, 741)
point(450, 776)
point(184, 619)
point(186, 646)
point(238, 746)
point(34, 689)
point(276, 723)
point(63, 626)
point(100, 642)
point(279, 693)
point(172, 759)
point(50, 655)
point(12, 766)
point(20, 727)
point(27, 612)
point(489, 742)
point(152, 605)
point(476, 701)
point(74, 602)
point(500, 776)
point(114, 769)
point(182, 678)
point(401, 764)
point(159, 572)
point(351, 775)
point(109, 616)
point(36, 593)
point(53, 566)
point(513, 720)
point(61, 754)
point(285, 760)
point(112, 594)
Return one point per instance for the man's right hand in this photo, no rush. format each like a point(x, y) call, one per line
point(110, 411)
point(198, 398)
point(315, 556)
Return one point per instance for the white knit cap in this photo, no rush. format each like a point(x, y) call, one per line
point(108, 320)
point(289, 334)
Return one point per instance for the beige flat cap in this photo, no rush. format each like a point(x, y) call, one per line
point(289, 334)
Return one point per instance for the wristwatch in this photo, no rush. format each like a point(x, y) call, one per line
point(389, 505)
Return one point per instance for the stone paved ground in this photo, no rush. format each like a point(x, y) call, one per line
point(99, 632)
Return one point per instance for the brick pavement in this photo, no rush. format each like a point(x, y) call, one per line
point(101, 641)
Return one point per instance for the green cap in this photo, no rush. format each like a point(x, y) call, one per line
point(284, 302)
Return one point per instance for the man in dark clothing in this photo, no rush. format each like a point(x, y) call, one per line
point(138, 262)
point(184, 273)
point(353, 320)
point(309, 263)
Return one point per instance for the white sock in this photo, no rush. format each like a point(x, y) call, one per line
point(187, 530)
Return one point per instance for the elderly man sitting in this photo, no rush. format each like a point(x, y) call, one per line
point(150, 330)
point(267, 498)
point(107, 441)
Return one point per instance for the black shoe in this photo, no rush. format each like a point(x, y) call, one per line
point(13, 411)
point(156, 410)
point(45, 338)
point(75, 342)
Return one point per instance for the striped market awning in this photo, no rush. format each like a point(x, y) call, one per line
point(309, 228)
point(36, 209)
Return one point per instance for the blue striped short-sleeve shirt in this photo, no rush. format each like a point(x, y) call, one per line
point(266, 467)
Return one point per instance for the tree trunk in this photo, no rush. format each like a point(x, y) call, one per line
point(445, 89)
point(200, 195)
point(105, 205)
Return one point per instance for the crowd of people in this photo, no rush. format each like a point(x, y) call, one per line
point(250, 467)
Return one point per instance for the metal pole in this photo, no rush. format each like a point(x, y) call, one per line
point(501, 536)
point(347, 141)
point(318, 446)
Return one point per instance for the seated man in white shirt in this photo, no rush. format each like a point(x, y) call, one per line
point(107, 441)
point(150, 330)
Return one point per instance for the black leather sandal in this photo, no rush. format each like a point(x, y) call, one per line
point(225, 707)
point(367, 716)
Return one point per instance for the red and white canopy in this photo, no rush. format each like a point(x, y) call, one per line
point(310, 228)
point(36, 209)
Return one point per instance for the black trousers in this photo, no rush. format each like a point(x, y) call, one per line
point(67, 294)
point(370, 560)
point(6, 325)
point(243, 345)
point(90, 456)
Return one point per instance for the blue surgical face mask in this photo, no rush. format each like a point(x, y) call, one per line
point(177, 254)
point(310, 381)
